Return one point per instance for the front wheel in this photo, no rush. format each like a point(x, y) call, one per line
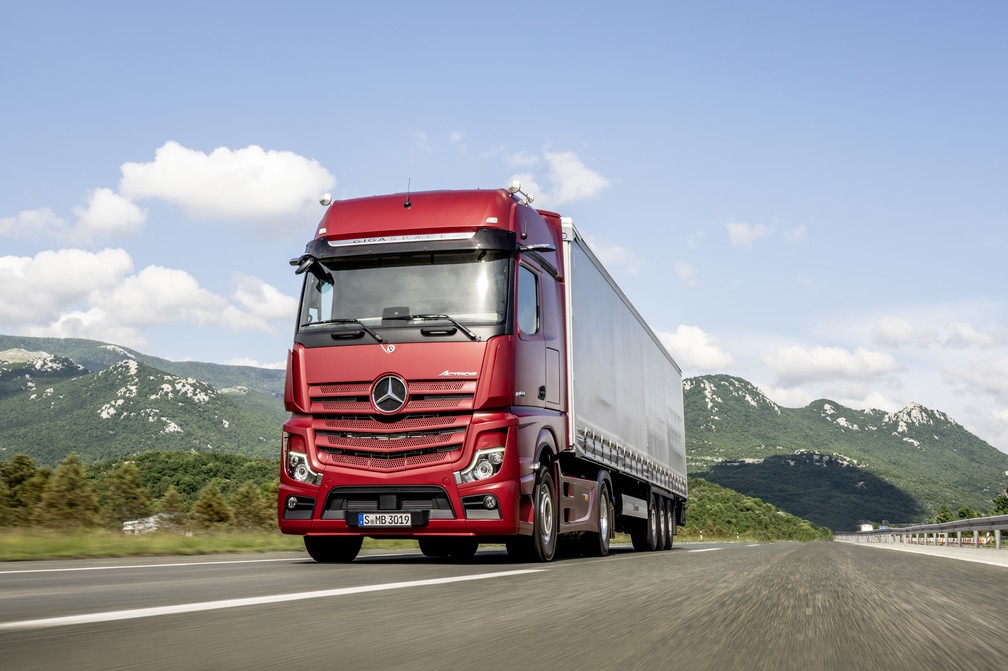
point(597, 544)
point(333, 549)
point(456, 549)
point(546, 525)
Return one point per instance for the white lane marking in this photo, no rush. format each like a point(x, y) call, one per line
point(131, 566)
point(112, 616)
point(705, 550)
point(753, 545)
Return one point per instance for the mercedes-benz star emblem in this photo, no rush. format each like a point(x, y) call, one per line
point(389, 394)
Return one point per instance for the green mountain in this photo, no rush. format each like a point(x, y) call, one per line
point(258, 389)
point(51, 406)
point(833, 465)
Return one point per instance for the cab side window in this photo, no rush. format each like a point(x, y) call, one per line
point(528, 301)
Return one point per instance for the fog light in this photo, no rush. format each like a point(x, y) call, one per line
point(291, 502)
point(489, 502)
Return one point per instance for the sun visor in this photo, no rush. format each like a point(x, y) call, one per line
point(484, 238)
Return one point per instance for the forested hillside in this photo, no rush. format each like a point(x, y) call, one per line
point(126, 409)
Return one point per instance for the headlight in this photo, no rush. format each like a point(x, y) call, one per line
point(297, 464)
point(485, 464)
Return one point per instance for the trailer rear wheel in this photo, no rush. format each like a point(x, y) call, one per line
point(660, 513)
point(669, 524)
point(644, 534)
point(597, 544)
point(333, 549)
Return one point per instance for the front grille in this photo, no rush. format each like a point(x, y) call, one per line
point(430, 428)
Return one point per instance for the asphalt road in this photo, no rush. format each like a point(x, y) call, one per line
point(777, 606)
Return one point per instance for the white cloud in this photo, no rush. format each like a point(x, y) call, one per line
point(964, 335)
point(796, 234)
point(158, 295)
point(988, 376)
point(32, 224)
point(694, 349)
point(795, 364)
point(276, 365)
point(568, 177)
point(422, 141)
point(92, 324)
point(77, 293)
point(263, 300)
point(572, 179)
point(685, 272)
point(107, 215)
point(896, 331)
point(612, 255)
point(35, 290)
point(247, 183)
point(458, 140)
point(741, 234)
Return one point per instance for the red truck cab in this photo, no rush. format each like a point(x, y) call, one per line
point(426, 382)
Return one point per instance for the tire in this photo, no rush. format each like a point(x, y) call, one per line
point(597, 544)
point(546, 522)
point(662, 526)
point(462, 549)
point(644, 535)
point(433, 547)
point(456, 549)
point(669, 524)
point(333, 549)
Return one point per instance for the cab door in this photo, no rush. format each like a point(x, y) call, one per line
point(538, 377)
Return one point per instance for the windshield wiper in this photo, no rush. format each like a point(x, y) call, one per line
point(448, 318)
point(358, 322)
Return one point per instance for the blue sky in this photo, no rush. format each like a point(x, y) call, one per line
point(811, 197)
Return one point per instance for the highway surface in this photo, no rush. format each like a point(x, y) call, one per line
point(773, 606)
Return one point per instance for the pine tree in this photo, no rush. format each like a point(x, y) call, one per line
point(251, 510)
point(28, 495)
point(173, 508)
point(1000, 504)
point(6, 505)
point(944, 515)
point(210, 509)
point(125, 498)
point(68, 501)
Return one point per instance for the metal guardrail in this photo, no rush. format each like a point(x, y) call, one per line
point(937, 534)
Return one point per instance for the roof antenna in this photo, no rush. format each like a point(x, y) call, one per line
point(408, 204)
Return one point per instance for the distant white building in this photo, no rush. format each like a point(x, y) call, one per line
point(146, 525)
point(867, 527)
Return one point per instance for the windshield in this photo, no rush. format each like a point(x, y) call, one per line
point(470, 286)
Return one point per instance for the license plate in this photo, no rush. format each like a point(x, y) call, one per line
point(384, 519)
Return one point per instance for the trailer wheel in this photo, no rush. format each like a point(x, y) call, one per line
point(644, 535)
point(333, 549)
point(597, 544)
point(662, 521)
point(669, 524)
